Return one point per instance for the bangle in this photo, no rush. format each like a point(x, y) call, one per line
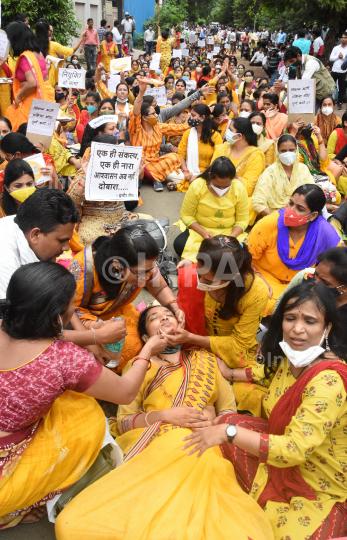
point(143, 358)
point(87, 325)
point(184, 170)
point(92, 329)
point(171, 302)
point(320, 142)
point(149, 425)
point(231, 382)
point(139, 101)
point(81, 185)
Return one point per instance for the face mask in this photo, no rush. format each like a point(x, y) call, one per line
point(83, 97)
point(327, 110)
point(103, 77)
point(176, 66)
point(205, 287)
point(109, 39)
point(257, 129)
point(220, 192)
point(244, 114)
point(59, 96)
point(158, 71)
point(306, 133)
point(199, 69)
point(75, 62)
point(91, 109)
point(105, 113)
point(169, 86)
point(125, 44)
point(193, 122)
point(182, 62)
point(152, 121)
point(115, 133)
point(157, 109)
point(150, 27)
point(185, 78)
point(292, 219)
point(287, 158)
point(121, 100)
point(302, 358)
point(248, 79)
point(21, 195)
point(230, 136)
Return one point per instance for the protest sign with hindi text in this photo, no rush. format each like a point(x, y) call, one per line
point(72, 78)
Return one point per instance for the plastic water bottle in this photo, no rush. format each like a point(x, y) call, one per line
point(115, 350)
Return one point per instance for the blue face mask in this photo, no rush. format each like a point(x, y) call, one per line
point(91, 109)
point(193, 122)
point(185, 78)
point(158, 71)
point(230, 136)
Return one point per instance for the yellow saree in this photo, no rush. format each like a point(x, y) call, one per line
point(44, 91)
point(160, 492)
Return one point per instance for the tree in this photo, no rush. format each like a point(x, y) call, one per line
point(60, 13)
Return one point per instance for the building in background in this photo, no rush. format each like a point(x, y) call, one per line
point(114, 9)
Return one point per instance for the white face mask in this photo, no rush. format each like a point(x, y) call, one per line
point(257, 129)
point(205, 287)
point(302, 358)
point(220, 192)
point(230, 136)
point(287, 158)
point(327, 110)
point(244, 114)
point(75, 61)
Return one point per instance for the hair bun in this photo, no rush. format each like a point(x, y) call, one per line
point(4, 307)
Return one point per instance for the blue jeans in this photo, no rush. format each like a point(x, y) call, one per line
point(149, 45)
point(90, 52)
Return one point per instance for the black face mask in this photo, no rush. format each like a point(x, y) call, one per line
point(59, 96)
point(306, 132)
point(297, 63)
point(335, 291)
point(157, 109)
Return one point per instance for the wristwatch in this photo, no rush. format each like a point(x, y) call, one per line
point(231, 432)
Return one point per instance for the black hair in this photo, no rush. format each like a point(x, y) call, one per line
point(250, 102)
point(20, 17)
point(258, 113)
point(103, 22)
point(21, 38)
point(343, 120)
point(272, 97)
point(206, 70)
point(121, 246)
point(90, 73)
point(291, 53)
point(145, 108)
point(178, 95)
point(218, 110)
point(148, 99)
point(95, 96)
point(143, 319)
point(108, 33)
point(222, 167)
point(107, 100)
point(7, 122)
point(168, 77)
point(336, 259)
point(90, 85)
point(182, 81)
point(324, 300)
point(301, 33)
point(165, 33)
point(244, 84)
point(116, 23)
point(42, 35)
point(244, 126)
point(285, 138)
point(37, 294)
point(236, 257)
point(222, 95)
point(46, 209)
point(316, 32)
point(313, 195)
point(16, 142)
point(90, 19)
point(23, 128)
point(326, 97)
point(14, 169)
point(209, 125)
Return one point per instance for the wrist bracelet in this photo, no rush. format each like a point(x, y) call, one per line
point(149, 425)
point(231, 382)
point(87, 325)
point(320, 142)
point(171, 302)
point(81, 185)
point(139, 101)
point(143, 358)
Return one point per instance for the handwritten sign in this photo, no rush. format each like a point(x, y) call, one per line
point(209, 56)
point(185, 52)
point(216, 49)
point(105, 119)
point(113, 172)
point(72, 78)
point(113, 82)
point(159, 93)
point(4, 45)
point(201, 43)
point(210, 40)
point(42, 117)
point(192, 38)
point(155, 61)
point(301, 96)
point(191, 85)
point(36, 162)
point(119, 64)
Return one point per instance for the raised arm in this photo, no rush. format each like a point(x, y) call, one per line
point(139, 99)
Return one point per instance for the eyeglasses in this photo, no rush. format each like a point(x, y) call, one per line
point(148, 273)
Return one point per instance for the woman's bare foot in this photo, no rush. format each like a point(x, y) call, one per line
point(35, 515)
point(184, 262)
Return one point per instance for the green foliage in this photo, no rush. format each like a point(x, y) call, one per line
point(171, 14)
point(60, 13)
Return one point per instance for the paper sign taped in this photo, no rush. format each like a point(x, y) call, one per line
point(72, 78)
point(113, 82)
point(159, 93)
point(120, 64)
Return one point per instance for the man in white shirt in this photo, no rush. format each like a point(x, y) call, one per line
point(264, 34)
point(317, 47)
point(257, 58)
point(337, 56)
point(127, 24)
point(148, 39)
point(232, 40)
point(117, 37)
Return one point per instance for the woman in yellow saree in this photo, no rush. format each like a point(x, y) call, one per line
point(110, 274)
point(30, 79)
point(159, 493)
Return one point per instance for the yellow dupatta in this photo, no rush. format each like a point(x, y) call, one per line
point(19, 115)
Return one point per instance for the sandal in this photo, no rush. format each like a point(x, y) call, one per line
point(171, 186)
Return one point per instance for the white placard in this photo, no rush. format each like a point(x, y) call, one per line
point(36, 162)
point(301, 96)
point(191, 85)
point(55, 61)
point(103, 119)
point(72, 78)
point(201, 43)
point(216, 50)
point(113, 172)
point(119, 64)
point(210, 40)
point(42, 117)
point(177, 53)
point(159, 93)
point(192, 38)
point(209, 56)
point(185, 52)
point(113, 82)
point(155, 62)
point(182, 45)
point(4, 43)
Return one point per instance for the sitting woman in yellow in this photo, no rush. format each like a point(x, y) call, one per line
point(241, 148)
point(224, 302)
point(215, 202)
point(109, 277)
point(159, 492)
point(197, 145)
point(267, 146)
point(336, 142)
point(220, 80)
point(277, 183)
point(314, 154)
point(109, 50)
point(290, 240)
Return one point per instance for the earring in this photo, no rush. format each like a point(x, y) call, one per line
point(327, 348)
point(117, 273)
point(61, 327)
